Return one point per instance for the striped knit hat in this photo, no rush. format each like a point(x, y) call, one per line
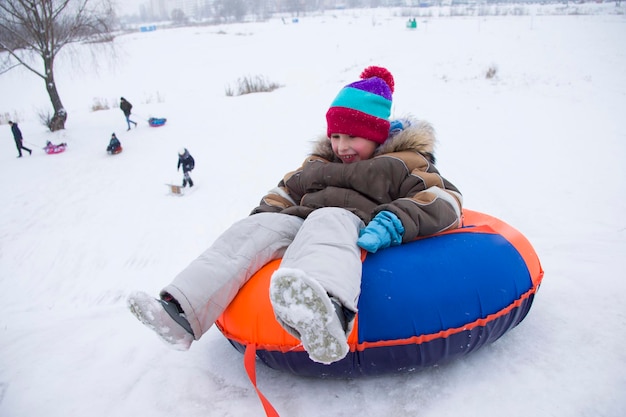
point(362, 108)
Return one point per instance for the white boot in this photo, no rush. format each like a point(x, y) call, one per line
point(303, 305)
point(151, 313)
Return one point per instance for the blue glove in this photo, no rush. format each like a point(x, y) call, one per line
point(383, 231)
point(398, 125)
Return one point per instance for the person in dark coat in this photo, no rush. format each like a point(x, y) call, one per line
point(17, 136)
point(188, 163)
point(126, 108)
point(114, 145)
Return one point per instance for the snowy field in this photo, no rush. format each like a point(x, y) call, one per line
point(541, 146)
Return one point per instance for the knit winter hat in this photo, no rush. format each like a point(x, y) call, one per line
point(362, 108)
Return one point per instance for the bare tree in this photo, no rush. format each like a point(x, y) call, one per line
point(43, 28)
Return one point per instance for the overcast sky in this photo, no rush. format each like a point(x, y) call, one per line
point(127, 6)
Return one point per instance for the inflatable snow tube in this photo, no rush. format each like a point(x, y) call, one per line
point(115, 151)
point(156, 121)
point(422, 303)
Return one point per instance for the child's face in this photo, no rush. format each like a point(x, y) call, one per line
point(352, 148)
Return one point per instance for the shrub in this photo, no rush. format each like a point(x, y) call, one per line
point(248, 85)
point(5, 117)
point(491, 72)
point(45, 117)
point(99, 104)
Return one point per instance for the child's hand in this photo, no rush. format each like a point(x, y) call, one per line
point(383, 231)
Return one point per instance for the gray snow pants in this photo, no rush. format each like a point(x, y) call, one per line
point(323, 246)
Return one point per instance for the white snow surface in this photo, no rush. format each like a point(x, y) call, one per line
point(541, 146)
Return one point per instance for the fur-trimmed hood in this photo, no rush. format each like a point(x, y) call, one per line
point(413, 135)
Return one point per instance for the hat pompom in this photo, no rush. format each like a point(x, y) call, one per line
point(381, 73)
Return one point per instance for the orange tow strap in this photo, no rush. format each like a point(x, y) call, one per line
point(249, 362)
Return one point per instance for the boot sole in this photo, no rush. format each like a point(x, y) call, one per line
point(146, 314)
point(304, 305)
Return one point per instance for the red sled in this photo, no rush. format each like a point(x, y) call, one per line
point(52, 149)
point(115, 151)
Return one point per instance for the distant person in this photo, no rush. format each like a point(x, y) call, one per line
point(126, 108)
point(17, 136)
point(188, 163)
point(114, 145)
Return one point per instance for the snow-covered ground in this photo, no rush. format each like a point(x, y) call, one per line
point(540, 146)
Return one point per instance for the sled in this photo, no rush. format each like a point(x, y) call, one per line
point(116, 151)
point(51, 150)
point(157, 121)
point(176, 189)
point(179, 190)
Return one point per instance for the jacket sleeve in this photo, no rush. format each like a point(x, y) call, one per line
point(378, 179)
point(431, 205)
point(405, 183)
point(280, 197)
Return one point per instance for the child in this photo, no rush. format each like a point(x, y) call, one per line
point(360, 173)
point(114, 145)
point(188, 163)
point(51, 147)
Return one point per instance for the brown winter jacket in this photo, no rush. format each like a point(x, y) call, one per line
point(401, 178)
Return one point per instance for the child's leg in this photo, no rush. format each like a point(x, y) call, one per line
point(207, 286)
point(319, 277)
point(187, 179)
point(325, 249)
